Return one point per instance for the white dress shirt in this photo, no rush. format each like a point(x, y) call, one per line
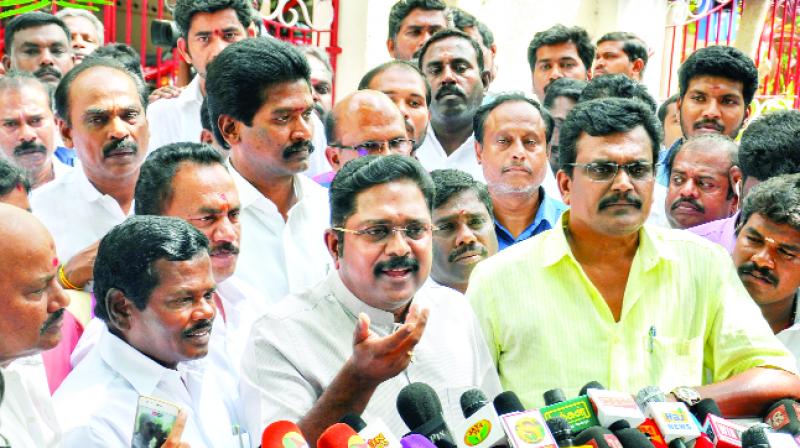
point(280, 257)
point(307, 338)
point(176, 119)
point(791, 336)
point(658, 209)
point(74, 212)
point(96, 404)
point(432, 156)
point(27, 418)
point(243, 305)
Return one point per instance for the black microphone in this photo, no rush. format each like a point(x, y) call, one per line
point(507, 402)
point(561, 431)
point(783, 417)
point(590, 385)
point(554, 396)
point(599, 437)
point(472, 401)
point(755, 437)
point(421, 410)
point(703, 408)
point(354, 421)
point(630, 437)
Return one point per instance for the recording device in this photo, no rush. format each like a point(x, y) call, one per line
point(154, 421)
point(561, 430)
point(705, 407)
point(612, 406)
point(783, 417)
point(524, 429)
point(376, 433)
point(598, 437)
point(281, 434)
point(340, 435)
point(755, 437)
point(481, 426)
point(629, 437)
point(164, 33)
point(421, 410)
point(416, 441)
point(673, 419)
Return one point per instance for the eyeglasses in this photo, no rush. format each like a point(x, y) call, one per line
point(381, 233)
point(369, 148)
point(607, 171)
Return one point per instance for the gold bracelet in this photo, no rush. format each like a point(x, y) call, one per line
point(62, 278)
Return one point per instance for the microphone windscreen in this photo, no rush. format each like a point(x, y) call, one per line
point(416, 441)
point(590, 385)
point(649, 395)
point(755, 436)
point(554, 396)
point(281, 434)
point(559, 428)
point(619, 425)
point(507, 402)
point(704, 407)
point(417, 404)
point(633, 438)
point(598, 437)
point(472, 401)
point(784, 416)
point(354, 421)
point(340, 435)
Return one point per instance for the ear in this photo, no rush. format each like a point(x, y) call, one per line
point(564, 185)
point(118, 308)
point(252, 30)
point(390, 47)
point(478, 152)
point(66, 132)
point(332, 156)
point(229, 127)
point(746, 114)
point(638, 66)
point(735, 178)
point(334, 245)
point(6, 61)
point(493, 49)
point(486, 78)
point(183, 50)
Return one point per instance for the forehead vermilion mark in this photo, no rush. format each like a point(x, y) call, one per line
point(55, 261)
point(222, 196)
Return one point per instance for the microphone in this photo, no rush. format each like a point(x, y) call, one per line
point(577, 411)
point(783, 417)
point(416, 441)
point(340, 435)
point(629, 437)
point(612, 406)
point(421, 410)
point(554, 396)
point(755, 437)
point(705, 407)
point(590, 385)
point(561, 430)
point(281, 434)
point(598, 437)
point(481, 426)
point(673, 419)
point(376, 434)
point(524, 429)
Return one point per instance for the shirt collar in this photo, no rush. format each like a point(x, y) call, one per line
point(248, 194)
point(354, 305)
point(192, 93)
point(652, 248)
point(546, 215)
point(85, 188)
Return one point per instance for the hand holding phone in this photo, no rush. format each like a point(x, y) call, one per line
point(158, 423)
point(174, 439)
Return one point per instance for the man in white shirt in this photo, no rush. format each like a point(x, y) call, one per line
point(259, 94)
point(101, 110)
point(28, 127)
point(351, 343)
point(31, 314)
point(191, 181)
point(155, 292)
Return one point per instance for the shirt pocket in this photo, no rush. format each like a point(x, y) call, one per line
point(675, 361)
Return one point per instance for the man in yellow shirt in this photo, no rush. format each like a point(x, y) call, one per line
point(603, 297)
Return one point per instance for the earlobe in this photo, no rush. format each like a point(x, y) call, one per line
point(564, 185)
point(6, 62)
point(66, 132)
point(229, 128)
point(118, 309)
point(478, 152)
point(183, 50)
point(334, 245)
point(332, 155)
point(390, 47)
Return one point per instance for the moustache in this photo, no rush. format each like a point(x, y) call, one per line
point(517, 165)
point(750, 267)
point(47, 70)
point(448, 89)
point(714, 123)
point(120, 145)
point(620, 198)
point(396, 263)
point(225, 248)
point(203, 325)
point(304, 145)
point(697, 206)
point(51, 320)
point(474, 247)
point(26, 148)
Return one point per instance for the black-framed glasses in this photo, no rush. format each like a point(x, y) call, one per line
point(607, 171)
point(371, 148)
point(381, 233)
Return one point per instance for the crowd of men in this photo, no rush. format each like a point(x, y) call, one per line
point(249, 250)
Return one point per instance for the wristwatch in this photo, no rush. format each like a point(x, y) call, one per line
point(686, 395)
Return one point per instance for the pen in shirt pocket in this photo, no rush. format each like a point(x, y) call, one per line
point(651, 338)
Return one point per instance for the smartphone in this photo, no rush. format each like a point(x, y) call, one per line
point(154, 421)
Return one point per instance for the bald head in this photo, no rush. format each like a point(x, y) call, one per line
point(31, 301)
point(365, 117)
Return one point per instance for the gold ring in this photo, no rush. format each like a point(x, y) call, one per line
point(410, 353)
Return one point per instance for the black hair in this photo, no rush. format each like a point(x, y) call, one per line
point(777, 199)
point(446, 34)
point(12, 176)
point(662, 109)
point(403, 8)
point(725, 62)
point(632, 45)
point(62, 91)
point(370, 75)
point(566, 87)
point(479, 119)
point(463, 20)
point(605, 116)
point(704, 142)
point(618, 86)
point(450, 182)
point(154, 186)
point(362, 173)
point(205, 119)
point(127, 255)
point(239, 77)
point(770, 146)
point(559, 34)
point(33, 19)
point(125, 54)
point(185, 10)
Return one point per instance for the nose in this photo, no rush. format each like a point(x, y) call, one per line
point(77, 41)
point(118, 129)
point(622, 181)
point(46, 57)
point(205, 309)
point(711, 110)
point(397, 245)
point(556, 73)
point(465, 235)
point(302, 129)
point(27, 133)
point(448, 75)
point(225, 231)
point(689, 189)
point(56, 298)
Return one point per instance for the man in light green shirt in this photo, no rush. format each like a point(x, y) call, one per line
point(603, 297)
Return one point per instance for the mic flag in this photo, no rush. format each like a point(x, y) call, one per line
point(783, 417)
point(341, 435)
point(283, 434)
